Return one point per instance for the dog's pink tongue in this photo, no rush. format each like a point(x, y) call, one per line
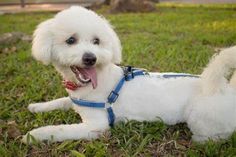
point(90, 73)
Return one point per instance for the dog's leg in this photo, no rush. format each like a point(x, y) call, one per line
point(233, 80)
point(61, 103)
point(66, 132)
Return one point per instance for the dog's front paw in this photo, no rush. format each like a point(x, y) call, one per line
point(35, 136)
point(30, 139)
point(26, 139)
point(34, 108)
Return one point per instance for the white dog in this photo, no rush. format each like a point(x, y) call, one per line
point(84, 49)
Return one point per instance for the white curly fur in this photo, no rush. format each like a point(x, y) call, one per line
point(207, 104)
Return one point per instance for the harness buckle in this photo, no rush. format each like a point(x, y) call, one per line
point(128, 70)
point(112, 97)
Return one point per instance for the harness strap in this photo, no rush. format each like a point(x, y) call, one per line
point(129, 74)
point(181, 75)
point(111, 116)
point(127, 77)
point(86, 103)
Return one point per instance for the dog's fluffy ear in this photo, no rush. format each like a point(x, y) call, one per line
point(42, 42)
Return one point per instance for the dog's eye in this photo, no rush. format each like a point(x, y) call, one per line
point(71, 40)
point(96, 41)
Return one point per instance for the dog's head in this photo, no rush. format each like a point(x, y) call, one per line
point(77, 39)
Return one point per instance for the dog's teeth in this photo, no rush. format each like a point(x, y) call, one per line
point(82, 79)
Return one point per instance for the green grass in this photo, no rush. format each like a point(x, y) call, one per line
point(179, 38)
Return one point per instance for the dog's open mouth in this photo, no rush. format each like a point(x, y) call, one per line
point(85, 75)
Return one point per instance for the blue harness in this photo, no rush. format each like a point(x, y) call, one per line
point(129, 74)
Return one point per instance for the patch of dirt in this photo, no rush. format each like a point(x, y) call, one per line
point(13, 37)
point(12, 129)
point(8, 50)
point(118, 6)
point(9, 40)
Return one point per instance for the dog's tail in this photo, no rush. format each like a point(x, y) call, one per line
point(214, 77)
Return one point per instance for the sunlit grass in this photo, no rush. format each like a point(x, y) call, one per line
point(177, 37)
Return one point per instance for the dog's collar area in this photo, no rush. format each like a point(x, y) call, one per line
point(129, 74)
point(70, 85)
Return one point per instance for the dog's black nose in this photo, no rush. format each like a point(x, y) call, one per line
point(89, 59)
